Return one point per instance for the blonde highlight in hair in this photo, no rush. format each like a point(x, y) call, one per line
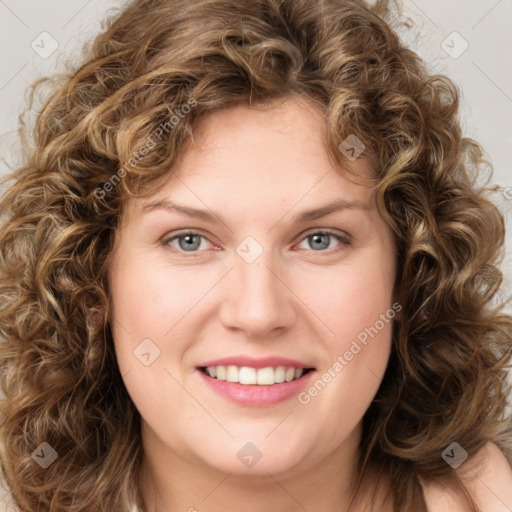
point(111, 130)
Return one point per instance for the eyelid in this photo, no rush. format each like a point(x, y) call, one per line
point(326, 231)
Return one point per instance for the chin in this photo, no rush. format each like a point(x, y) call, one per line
point(256, 458)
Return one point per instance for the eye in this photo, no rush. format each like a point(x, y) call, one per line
point(320, 240)
point(188, 241)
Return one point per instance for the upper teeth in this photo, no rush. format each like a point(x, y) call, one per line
point(247, 375)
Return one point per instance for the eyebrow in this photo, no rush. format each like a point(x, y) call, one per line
point(207, 216)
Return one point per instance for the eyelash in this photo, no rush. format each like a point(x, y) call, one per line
point(344, 240)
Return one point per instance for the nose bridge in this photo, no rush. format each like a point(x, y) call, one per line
point(256, 300)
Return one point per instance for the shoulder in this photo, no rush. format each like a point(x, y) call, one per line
point(488, 478)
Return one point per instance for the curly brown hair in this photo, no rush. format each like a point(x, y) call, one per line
point(106, 133)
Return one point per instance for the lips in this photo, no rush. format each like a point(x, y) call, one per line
point(256, 395)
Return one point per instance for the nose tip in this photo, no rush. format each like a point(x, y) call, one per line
point(256, 300)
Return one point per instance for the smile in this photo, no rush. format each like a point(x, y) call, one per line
point(247, 375)
point(269, 389)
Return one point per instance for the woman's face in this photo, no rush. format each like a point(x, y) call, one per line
point(258, 278)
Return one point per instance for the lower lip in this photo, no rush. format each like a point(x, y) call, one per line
point(255, 395)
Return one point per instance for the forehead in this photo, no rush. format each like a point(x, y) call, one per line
point(260, 158)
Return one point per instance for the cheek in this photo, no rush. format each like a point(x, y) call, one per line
point(350, 299)
point(146, 306)
point(146, 300)
point(355, 304)
point(360, 316)
point(155, 302)
point(137, 313)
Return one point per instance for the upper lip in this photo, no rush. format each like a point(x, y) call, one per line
point(255, 363)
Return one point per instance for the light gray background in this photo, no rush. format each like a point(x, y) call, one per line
point(29, 30)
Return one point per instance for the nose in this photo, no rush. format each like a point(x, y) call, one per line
point(257, 300)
